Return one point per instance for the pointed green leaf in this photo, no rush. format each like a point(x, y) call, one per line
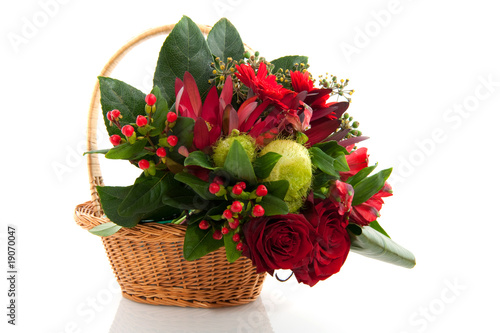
point(263, 165)
point(184, 50)
point(198, 243)
point(375, 225)
point(323, 161)
point(288, 62)
point(99, 151)
point(224, 41)
point(111, 198)
point(238, 164)
point(371, 243)
point(340, 163)
point(146, 195)
point(362, 174)
point(105, 229)
point(160, 115)
point(198, 158)
point(278, 188)
point(116, 94)
point(232, 254)
point(126, 151)
point(332, 148)
point(273, 205)
point(366, 188)
point(196, 184)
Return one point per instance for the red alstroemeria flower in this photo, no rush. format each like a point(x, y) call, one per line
point(356, 160)
point(367, 212)
point(342, 193)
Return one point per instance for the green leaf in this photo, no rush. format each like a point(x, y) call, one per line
point(323, 161)
point(116, 94)
point(105, 229)
point(288, 62)
point(126, 151)
point(362, 174)
point(146, 195)
point(184, 50)
point(111, 198)
point(369, 242)
point(99, 151)
point(183, 129)
point(198, 243)
point(224, 41)
point(198, 158)
point(273, 205)
point(375, 225)
point(196, 184)
point(232, 254)
point(366, 188)
point(340, 163)
point(238, 164)
point(332, 148)
point(263, 165)
point(278, 188)
point(160, 115)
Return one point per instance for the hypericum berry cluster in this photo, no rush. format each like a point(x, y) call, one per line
point(244, 206)
point(141, 130)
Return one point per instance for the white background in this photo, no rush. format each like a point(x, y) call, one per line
point(414, 66)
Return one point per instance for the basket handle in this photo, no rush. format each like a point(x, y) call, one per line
point(95, 176)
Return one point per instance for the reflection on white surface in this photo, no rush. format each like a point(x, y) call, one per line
point(136, 317)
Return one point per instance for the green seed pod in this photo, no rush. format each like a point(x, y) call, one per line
point(222, 148)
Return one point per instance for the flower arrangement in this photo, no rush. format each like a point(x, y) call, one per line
point(251, 155)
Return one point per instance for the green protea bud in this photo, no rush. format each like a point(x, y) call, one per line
point(294, 166)
point(222, 148)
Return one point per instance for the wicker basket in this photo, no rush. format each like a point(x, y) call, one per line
point(148, 260)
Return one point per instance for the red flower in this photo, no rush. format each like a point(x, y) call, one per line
point(356, 160)
point(342, 193)
point(369, 210)
point(278, 242)
point(262, 84)
point(332, 243)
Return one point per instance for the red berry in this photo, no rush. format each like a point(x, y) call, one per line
point(161, 152)
point(234, 224)
point(109, 116)
point(236, 207)
point(258, 211)
point(115, 114)
point(214, 188)
point(204, 225)
point(128, 130)
point(150, 99)
point(227, 214)
point(217, 235)
point(237, 190)
point(243, 185)
point(261, 191)
point(236, 238)
point(240, 246)
point(141, 121)
point(224, 230)
point(144, 164)
point(115, 139)
point(172, 140)
point(171, 117)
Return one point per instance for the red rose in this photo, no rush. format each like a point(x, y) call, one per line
point(278, 242)
point(331, 247)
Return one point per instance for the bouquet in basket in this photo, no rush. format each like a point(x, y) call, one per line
point(252, 155)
